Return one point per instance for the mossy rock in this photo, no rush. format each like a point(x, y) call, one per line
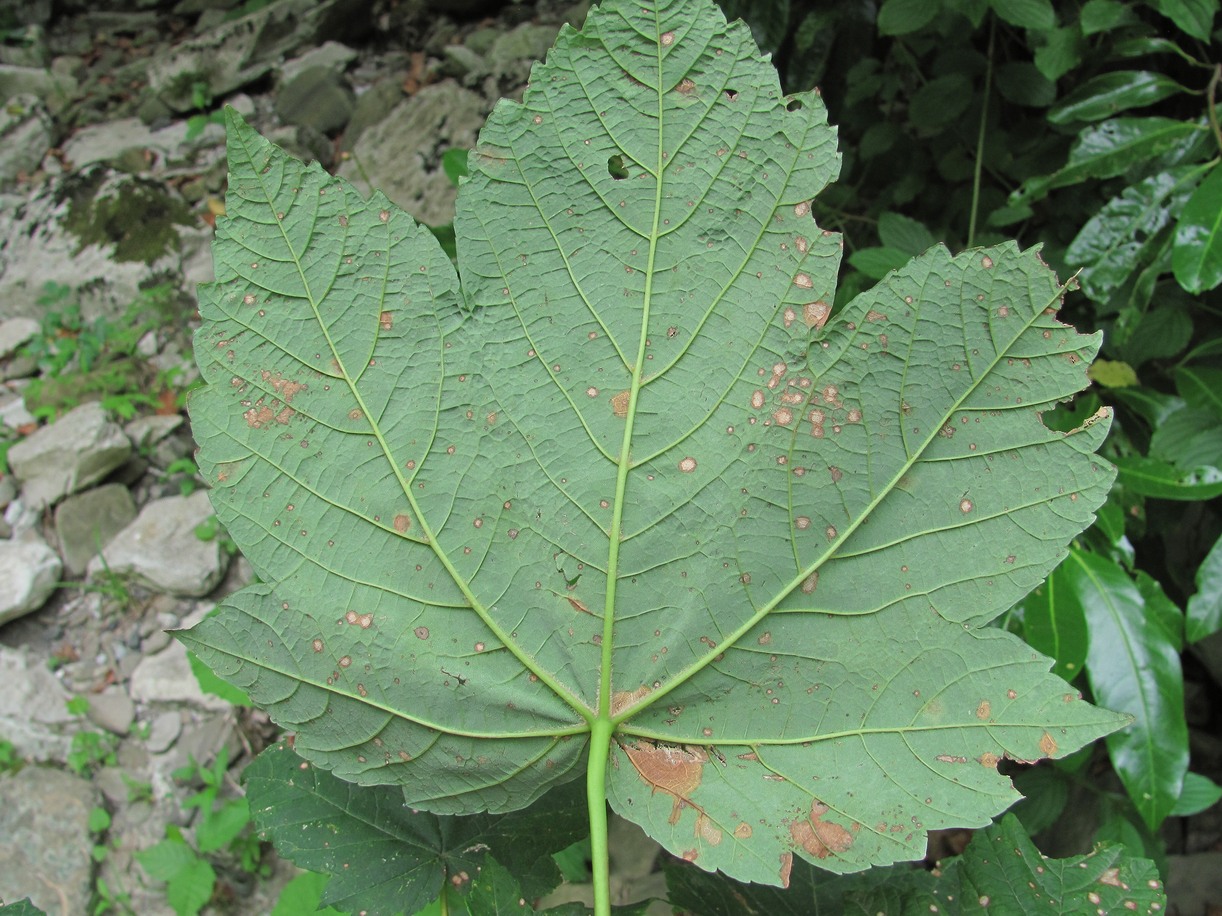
point(136, 216)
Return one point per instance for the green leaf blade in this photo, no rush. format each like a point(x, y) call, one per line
point(289, 404)
point(1133, 665)
point(1196, 258)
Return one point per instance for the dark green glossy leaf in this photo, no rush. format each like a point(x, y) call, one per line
point(1111, 148)
point(1192, 16)
point(901, 17)
point(1197, 257)
point(1026, 14)
point(1107, 94)
point(1199, 792)
point(454, 164)
point(1143, 45)
point(494, 891)
point(1054, 623)
point(1160, 609)
point(1134, 667)
point(1200, 387)
point(1000, 873)
point(1104, 15)
point(21, 908)
point(1123, 235)
point(1163, 480)
point(1204, 611)
point(382, 856)
point(904, 234)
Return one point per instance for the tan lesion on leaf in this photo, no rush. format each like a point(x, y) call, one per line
point(619, 404)
point(1048, 745)
point(818, 837)
point(675, 771)
point(622, 699)
point(287, 389)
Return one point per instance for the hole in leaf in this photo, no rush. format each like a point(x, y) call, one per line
point(616, 169)
point(794, 105)
point(732, 95)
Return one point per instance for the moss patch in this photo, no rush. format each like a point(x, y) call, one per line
point(137, 216)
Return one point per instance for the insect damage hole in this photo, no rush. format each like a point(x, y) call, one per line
point(616, 168)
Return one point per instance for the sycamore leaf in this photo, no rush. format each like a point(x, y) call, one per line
point(992, 876)
point(628, 503)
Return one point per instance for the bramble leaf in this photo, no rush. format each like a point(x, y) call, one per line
point(631, 503)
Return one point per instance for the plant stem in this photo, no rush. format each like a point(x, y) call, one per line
point(984, 110)
point(443, 901)
point(596, 801)
point(1211, 103)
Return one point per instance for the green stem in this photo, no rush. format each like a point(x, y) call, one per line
point(984, 110)
point(1211, 98)
point(596, 801)
point(443, 901)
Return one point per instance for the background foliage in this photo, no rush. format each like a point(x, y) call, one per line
point(1090, 128)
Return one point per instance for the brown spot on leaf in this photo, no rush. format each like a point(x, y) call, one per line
point(385, 320)
point(619, 404)
point(810, 582)
point(285, 388)
point(622, 699)
point(258, 417)
point(804, 281)
point(989, 759)
point(686, 86)
point(872, 315)
point(1048, 745)
point(676, 771)
point(984, 710)
point(402, 523)
point(786, 868)
point(743, 831)
point(707, 830)
point(818, 837)
point(687, 465)
point(815, 314)
point(668, 38)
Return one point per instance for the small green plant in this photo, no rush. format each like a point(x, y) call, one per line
point(80, 360)
point(187, 473)
point(211, 529)
point(205, 113)
point(89, 750)
point(10, 761)
point(221, 831)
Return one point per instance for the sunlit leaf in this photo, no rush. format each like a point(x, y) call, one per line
point(1204, 611)
point(1163, 480)
point(1197, 256)
point(1054, 623)
point(1110, 148)
point(632, 503)
point(1108, 94)
point(1133, 665)
point(1199, 792)
point(1192, 16)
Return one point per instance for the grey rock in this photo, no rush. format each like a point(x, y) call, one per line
point(146, 432)
point(8, 490)
point(155, 642)
point(163, 732)
point(45, 844)
point(513, 53)
point(13, 412)
point(33, 710)
point(78, 449)
point(234, 53)
point(103, 234)
point(26, 133)
point(330, 54)
point(14, 333)
point(372, 107)
point(161, 550)
point(401, 155)
point(319, 98)
point(29, 570)
point(113, 710)
point(167, 677)
point(86, 523)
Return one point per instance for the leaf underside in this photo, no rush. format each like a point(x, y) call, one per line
point(631, 471)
